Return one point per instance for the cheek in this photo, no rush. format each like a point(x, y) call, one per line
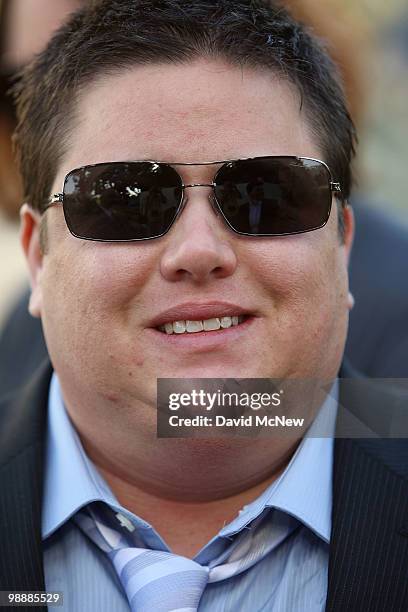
point(101, 276)
point(293, 269)
point(90, 292)
point(303, 281)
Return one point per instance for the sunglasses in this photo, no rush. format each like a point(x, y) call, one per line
point(140, 200)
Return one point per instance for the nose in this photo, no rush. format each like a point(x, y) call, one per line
point(199, 245)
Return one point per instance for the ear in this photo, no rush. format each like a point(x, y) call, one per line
point(348, 217)
point(30, 222)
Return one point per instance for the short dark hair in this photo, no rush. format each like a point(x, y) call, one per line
point(111, 35)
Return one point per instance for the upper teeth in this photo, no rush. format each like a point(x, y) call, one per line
point(192, 327)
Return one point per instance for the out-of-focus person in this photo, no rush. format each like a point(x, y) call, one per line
point(25, 28)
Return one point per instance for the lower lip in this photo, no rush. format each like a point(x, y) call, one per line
point(204, 340)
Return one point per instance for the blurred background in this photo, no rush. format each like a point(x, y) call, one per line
point(368, 38)
point(383, 151)
point(25, 28)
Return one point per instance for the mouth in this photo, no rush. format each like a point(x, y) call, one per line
point(215, 324)
point(202, 326)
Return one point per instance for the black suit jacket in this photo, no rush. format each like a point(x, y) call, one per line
point(368, 563)
point(377, 342)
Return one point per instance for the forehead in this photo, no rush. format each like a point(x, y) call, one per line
point(201, 111)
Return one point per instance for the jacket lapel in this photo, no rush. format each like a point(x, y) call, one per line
point(22, 427)
point(369, 540)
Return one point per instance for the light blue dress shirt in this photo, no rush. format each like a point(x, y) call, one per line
point(291, 578)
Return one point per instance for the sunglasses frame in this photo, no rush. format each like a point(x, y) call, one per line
point(334, 187)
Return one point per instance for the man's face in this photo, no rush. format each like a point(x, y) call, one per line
point(101, 303)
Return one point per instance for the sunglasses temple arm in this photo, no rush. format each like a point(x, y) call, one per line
point(57, 198)
point(336, 189)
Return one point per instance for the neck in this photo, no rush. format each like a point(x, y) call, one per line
point(189, 505)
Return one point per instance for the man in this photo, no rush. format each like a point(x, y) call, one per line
point(132, 96)
point(256, 207)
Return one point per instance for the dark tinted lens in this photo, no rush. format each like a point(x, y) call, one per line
point(121, 201)
point(274, 196)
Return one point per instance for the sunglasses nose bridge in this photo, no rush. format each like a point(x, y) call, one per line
point(212, 198)
point(212, 185)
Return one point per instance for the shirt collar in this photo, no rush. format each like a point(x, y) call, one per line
point(71, 480)
point(304, 490)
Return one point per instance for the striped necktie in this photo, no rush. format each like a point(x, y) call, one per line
point(165, 582)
